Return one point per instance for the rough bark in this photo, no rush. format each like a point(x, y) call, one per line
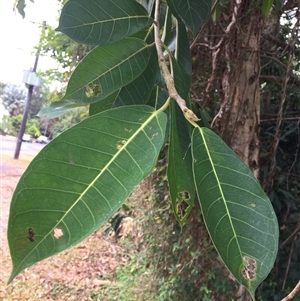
point(238, 119)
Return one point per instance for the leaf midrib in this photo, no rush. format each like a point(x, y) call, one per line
point(220, 189)
point(103, 22)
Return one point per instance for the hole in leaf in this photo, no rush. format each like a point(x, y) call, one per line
point(249, 269)
point(58, 233)
point(181, 209)
point(93, 90)
point(184, 195)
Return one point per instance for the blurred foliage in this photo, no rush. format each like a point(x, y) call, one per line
point(32, 128)
point(63, 50)
point(13, 98)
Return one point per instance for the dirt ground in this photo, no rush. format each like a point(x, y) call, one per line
point(74, 274)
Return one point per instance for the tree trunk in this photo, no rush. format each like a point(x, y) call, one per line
point(238, 119)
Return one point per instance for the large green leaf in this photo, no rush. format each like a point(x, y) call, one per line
point(102, 22)
point(148, 4)
point(138, 91)
point(80, 179)
point(104, 104)
point(194, 13)
point(106, 69)
point(180, 174)
point(238, 214)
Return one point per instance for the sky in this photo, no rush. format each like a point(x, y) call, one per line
point(19, 36)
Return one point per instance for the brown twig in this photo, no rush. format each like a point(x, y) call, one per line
point(289, 263)
point(293, 293)
point(169, 80)
point(216, 55)
point(295, 161)
point(293, 233)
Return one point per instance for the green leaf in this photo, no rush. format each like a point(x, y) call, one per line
point(106, 69)
point(157, 98)
point(57, 109)
point(80, 179)
point(148, 4)
point(183, 53)
point(266, 7)
point(238, 214)
point(139, 90)
point(102, 22)
point(181, 81)
point(180, 175)
point(194, 13)
point(104, 104)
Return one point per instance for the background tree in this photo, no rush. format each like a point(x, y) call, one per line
point(13, 98)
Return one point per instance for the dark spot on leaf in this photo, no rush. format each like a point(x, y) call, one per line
point(30, 235)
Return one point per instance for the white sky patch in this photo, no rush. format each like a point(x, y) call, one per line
point(19, 36)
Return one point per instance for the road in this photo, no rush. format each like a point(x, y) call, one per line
point(8, 145)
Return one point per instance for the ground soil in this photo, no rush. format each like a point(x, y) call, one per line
point(70, 275)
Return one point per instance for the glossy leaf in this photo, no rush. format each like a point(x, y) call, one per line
point(80, 179)
point(194, 13)
point(104, 104)
point(180, 174)
point(180, 80)
point(157, 98)
point(102, 22)
point(238, 214)
point(106, 69)
point(138, 91)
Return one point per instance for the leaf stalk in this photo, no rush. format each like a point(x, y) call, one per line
point(169, 80)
